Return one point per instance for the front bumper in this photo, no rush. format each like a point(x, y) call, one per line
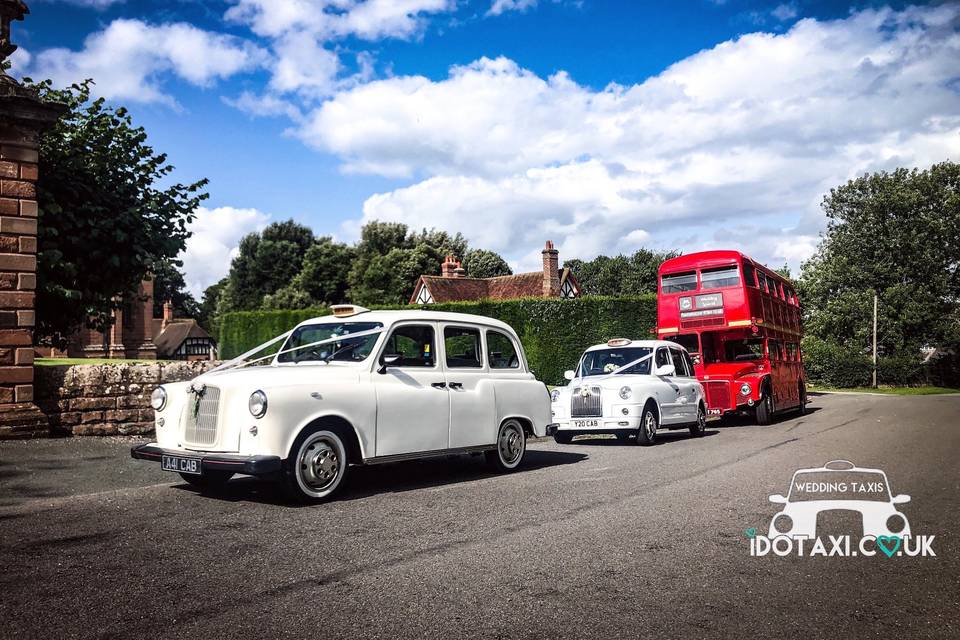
point(606, 424)
point(232, 462)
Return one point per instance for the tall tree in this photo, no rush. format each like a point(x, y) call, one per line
point(896, 234)
point(105, 220)
point(168, 284)
point(265, 262)
point(481, 263)
point(322, 279)
point(620, 275)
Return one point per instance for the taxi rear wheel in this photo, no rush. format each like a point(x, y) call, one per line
point(511, 447)
point(698, 427)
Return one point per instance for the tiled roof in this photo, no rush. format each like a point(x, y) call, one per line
point(170, 339)
point(521, 285)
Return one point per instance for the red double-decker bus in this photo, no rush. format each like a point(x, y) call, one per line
point(741, 324)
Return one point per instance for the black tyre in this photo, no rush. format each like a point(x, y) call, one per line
point(802, 409)
point(511, 446)
point(649, 423)
point(208, 480)
point(562, 438)
point(698, 427)
point(317, 467)
point(764, 410)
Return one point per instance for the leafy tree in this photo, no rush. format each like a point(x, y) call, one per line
point(168, 284)
point(322, 279)
point(481, 263)
point(266, 262)
point(620, 275)
point(896, 234)
point(104, 219)
point(208, 306)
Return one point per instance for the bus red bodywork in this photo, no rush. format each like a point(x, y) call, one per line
point(741, 324)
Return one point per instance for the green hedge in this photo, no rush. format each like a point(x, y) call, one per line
point(554, 332)
point(829, 364)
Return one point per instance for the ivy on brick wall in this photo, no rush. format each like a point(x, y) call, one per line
point(554, 332)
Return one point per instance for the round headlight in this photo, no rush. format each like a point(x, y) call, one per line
point(745, 389)
point(626, 393)
point(158, 399)
point(554, 395)
point(257, 404)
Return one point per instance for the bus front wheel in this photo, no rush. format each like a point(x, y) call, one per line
point(764, 410)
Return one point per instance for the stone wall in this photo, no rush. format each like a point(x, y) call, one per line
point(106, 399)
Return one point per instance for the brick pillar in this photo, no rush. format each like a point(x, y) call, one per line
point(22, 117)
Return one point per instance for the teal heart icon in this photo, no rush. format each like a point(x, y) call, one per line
point(751, 532)
point(888, 544)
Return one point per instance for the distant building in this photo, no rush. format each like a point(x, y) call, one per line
point(136, 334)
point(453, 284)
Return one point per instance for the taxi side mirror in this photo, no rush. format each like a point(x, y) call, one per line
point(568, 374)
point(388, 360)
point(665, 370)
point(778, 499)
point(901, 499)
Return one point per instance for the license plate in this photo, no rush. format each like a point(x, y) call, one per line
point(180, 465)
point(585, 424)
point(714, 412)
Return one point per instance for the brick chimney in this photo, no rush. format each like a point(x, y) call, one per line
point(167, 314)
point(551, 271)
point(451, 268)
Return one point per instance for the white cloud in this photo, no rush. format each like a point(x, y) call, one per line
point(753, 131)
point(784, 12)
point(330, 19)
point(502, 6)
point(93, 4)
point(216, 235)
point(129, 59)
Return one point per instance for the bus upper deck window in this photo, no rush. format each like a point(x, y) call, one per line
point(717, 278)
point(678, 282)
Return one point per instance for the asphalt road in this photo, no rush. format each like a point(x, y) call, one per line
point(593, 539)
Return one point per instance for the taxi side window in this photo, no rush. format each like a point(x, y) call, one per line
point(663, 357)
point(462, 347)
point(414, 344)
point(678, 362)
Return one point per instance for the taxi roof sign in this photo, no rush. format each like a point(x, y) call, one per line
point(346, 310)
point(618, 342)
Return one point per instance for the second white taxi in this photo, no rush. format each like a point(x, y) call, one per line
point(631, 388)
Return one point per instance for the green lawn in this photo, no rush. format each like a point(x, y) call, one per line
point(893, 391)
point(53, 362)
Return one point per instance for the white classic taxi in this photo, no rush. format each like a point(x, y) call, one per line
point(630, 388)
point(357, 387)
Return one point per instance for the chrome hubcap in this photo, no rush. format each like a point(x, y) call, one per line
point(511, 444)
point(319, 464)
point(650, 425)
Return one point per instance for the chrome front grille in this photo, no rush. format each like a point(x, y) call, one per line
point(201, 419)
point(585, 403)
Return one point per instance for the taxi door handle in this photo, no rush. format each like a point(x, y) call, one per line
point(438, 385)
point(456, 385)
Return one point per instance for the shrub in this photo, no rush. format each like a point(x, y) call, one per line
point(834, 365)
point(554, 332)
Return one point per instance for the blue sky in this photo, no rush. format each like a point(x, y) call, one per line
point(604, 126)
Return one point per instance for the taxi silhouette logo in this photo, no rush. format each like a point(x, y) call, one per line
point(839, 485)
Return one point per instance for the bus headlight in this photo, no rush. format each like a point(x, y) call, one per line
point(257, 404)
point(555, 395)
point(626, 393)
point(158, 399)
point(745, 389)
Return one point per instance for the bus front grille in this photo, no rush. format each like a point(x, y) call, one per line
point(718, 395)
